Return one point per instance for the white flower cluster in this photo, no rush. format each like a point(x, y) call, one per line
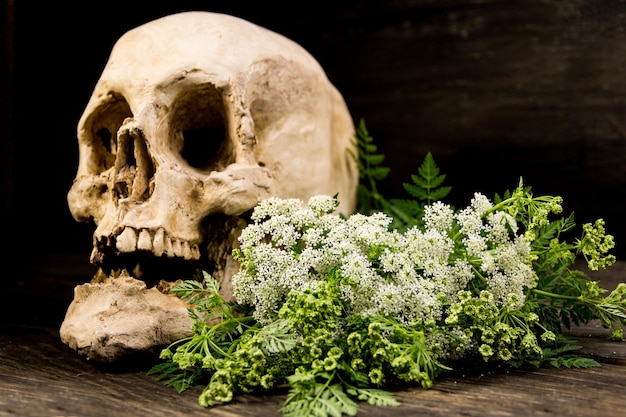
point(409, 276)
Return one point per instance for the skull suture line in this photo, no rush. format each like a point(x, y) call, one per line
point(196, 118)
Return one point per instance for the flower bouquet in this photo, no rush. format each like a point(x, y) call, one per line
point(342, 309)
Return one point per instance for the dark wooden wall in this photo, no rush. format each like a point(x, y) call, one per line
point(496, 90)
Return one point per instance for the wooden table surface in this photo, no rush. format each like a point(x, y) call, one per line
point(40, 376)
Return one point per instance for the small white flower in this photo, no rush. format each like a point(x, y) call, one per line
point(475, 244)
point(438, 216)
point(404, 276)
point(501, 225)
point(428, 249)
point(480, 204)
point(323, 204)
point(470, 221)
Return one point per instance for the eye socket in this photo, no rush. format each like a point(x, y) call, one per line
point(203, 146)
point(101, 127)
point(199, 128)
point(106, 139)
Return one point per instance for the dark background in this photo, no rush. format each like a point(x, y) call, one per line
point(496, 90)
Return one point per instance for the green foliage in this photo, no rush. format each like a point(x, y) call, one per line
point(171, 375)
point(564, 296)
point(216, 330)
point(277, 337)
point(298, 348)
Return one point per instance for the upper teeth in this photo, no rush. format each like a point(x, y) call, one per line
point(157, 242)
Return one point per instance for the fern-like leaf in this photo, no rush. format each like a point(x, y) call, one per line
point(378, 173)
point(191, 291)
point(427, 186)
point(573, 361)
point(371, 171)
point(375, 396)
point(277, 337)
point(172, 376)
point(348, 406)
point(560, 354)
point(318, 404)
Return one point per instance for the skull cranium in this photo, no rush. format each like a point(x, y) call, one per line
point(196, 118)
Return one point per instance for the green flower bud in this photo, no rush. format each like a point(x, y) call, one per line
point(377, 377)
point(486, 351)
point(618, 334)
point(330, 364)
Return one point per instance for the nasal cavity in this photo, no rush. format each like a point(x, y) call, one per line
point(133, 165)
point(144, 171)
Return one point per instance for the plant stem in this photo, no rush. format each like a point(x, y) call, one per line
point(558, 296)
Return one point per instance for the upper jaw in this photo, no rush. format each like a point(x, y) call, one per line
point(147, 254)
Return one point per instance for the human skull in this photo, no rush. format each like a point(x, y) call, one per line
point(196, 118)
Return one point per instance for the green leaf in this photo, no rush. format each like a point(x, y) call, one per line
point(418, 191)
point(440, 193)
point(318, 406)
point(409, 207)
point(172, 376)
point(190, 291)
point(428, 169)
point(371, 172)
point(559, 354)
point(348, 406)
point(277, 336)
point(573, 361)
point(377, 397)
point(429, 181)
point(378, 173)
point(375, 159)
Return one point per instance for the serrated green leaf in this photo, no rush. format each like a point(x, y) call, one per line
point(296, 408)
point(301, 378)
point(428, 169)
point(312, 406)
point(162, 370)
point(440, 193)
point(375, 159)
point(348, 406)
point(172, 376)
point(427, 186)
point(437, 181)
point(379, 173)
point(277, 337)
point(417, 192)
point(377, 397)
point(369, 149)
point(410, 207)
point(572, 361)
point(190, 291)
point(420, 182)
